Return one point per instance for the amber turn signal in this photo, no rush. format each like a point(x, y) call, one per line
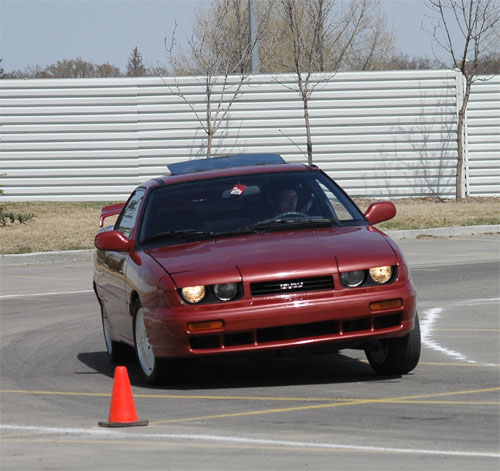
point(204, 325)
point(382, 305)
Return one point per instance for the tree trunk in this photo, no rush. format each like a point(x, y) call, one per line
point(209, 145)
point(460, 140)
point(308, 130)
point(208, 128)
point(460, 156)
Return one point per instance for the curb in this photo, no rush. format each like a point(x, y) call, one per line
point(444, 232)
point(81, 256)
point(41, 258)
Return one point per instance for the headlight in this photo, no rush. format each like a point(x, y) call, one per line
point(381, 274)
point(353, 278)
point(226, 291)
point(193, 294)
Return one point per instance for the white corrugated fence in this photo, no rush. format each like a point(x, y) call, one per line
point(379, 134)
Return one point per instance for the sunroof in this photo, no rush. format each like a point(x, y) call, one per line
point(217, 163)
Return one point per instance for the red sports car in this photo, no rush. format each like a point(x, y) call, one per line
point(248, 253)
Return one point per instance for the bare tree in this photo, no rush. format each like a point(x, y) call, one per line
point(374, 42)
point(156, 71)
point(231, 17)
point(477, 24)
point(316, 36)
point(220, 65)
point(107, 70)
point(298, 36)
point(28, 72)
point(489, 64)
point(402, 61)
point(67, 68)
point(78, 68)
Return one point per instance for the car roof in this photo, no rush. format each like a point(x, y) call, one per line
point(215, 167)
point(227, 161)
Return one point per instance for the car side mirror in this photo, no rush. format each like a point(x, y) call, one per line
point(112, 240)
point(379, 212)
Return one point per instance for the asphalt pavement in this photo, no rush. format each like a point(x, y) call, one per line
point(297, 412)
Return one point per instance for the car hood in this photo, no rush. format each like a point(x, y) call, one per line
point(278, 255)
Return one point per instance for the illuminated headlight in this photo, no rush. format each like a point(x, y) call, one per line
point(381, 274)
point(353, 278)
point(226, 291)
point(193, 294)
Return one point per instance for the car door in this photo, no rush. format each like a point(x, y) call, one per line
point(114, 275)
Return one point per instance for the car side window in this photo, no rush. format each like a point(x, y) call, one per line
point(128, 216)
point(338, 208)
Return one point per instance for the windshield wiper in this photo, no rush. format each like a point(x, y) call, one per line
point(296, 222)
point(235, 232)
point(185, 234)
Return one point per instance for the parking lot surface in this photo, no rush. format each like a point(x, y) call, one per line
point(300, 411)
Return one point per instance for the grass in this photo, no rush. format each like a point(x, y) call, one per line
point(424, 213)
point(55, 226)
point(72, 225)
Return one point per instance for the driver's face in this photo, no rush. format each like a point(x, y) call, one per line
point(288, 201)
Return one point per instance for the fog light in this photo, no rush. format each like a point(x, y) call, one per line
point(204, 325)
point(193, 294)
point(383, 305)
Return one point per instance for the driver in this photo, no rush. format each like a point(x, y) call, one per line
point(287, 201)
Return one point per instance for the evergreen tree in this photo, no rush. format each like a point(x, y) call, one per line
point(135, 66)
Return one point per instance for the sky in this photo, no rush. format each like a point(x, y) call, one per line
point(41, 32)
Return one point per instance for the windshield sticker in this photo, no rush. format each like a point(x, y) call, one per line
point(238, 189)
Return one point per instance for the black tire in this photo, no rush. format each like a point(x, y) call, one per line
point(119, 353)
point(398, 355)
point(152, 368)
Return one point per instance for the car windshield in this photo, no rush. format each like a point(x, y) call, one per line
point(261, 202)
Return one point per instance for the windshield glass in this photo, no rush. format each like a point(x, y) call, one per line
point(246, 203)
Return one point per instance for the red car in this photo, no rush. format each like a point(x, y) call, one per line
point(248, 253)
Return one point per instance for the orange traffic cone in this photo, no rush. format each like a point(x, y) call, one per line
point(122, 411)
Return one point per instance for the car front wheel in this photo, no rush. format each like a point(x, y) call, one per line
point(398, 355)
point(151, 367)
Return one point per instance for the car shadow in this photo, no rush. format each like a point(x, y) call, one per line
point(248, 371)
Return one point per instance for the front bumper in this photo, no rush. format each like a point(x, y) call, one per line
point(282, 321)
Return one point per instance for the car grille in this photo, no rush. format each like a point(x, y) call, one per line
point(334, 329)
point(317, 283)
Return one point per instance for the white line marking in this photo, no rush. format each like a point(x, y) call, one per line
point(38, 295)
point(475, 302)
point(432, 315)
point(105, 433)
point(426, 332)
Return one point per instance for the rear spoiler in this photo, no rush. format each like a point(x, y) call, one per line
point(110, 211)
